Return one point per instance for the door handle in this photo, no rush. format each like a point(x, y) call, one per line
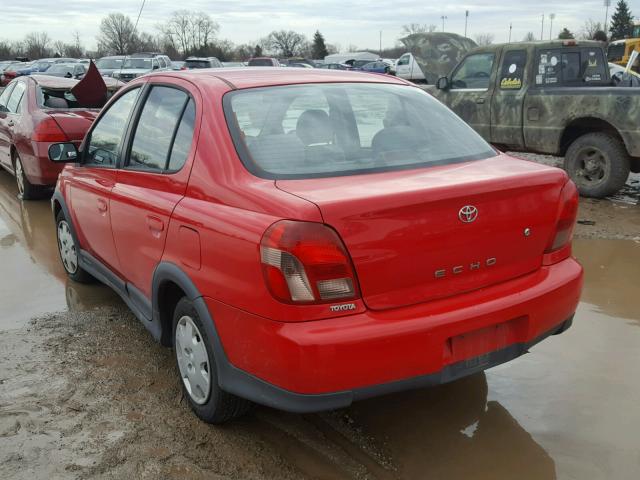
point(480, 101)
point(10, 123)
point(155, 224)
point(102, 205)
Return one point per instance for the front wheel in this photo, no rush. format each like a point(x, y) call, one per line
point(70, 251)
point(197, 369)
point(598, 163)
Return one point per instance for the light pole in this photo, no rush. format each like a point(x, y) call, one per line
point(443, 17)
point(510, 29)
point(466, 21)
point(607, 4)
point(381, 43)
point(542, 29)
point(551, 17)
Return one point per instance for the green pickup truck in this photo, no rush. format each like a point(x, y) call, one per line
point(555, 98)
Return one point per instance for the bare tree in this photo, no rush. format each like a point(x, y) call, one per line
point(36, 45)
point(412, 28)
point(117, 34)
point(352, 48)
point(75, 49)
point(589, 29)
point(286, 42)
point(483, 39)
point(190, 31)
point(529, 37)
point(59, 48)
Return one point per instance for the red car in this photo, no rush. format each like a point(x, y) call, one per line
point(34, 113)
point(304, 239)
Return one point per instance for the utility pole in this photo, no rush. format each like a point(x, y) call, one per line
point(551, 17)
point(443, 17)
point(542, 30)
point(510, 29)
point(607, 4)
point(380, 43)
point(466, 21)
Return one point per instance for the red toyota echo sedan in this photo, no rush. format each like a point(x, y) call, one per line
point(307, 238)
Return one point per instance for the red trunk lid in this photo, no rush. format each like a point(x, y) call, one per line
point(74, 123)
point(404, 232)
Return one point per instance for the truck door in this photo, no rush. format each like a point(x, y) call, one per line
point(508, 100)
point(472, 85)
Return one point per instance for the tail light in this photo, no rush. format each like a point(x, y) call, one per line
point(48, 130)
point(559, 246)
point(306, 262)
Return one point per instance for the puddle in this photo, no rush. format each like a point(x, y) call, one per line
point(33, 281)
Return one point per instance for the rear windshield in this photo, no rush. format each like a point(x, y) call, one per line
point(197, 64)
point(109, 63)
point(324, 130)
point(260, 62)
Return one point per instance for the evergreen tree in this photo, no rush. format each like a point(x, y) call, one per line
point(257, 52)
point(319, 49)
point(621, 22)
point(565, 34)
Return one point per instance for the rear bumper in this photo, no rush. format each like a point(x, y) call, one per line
point(327, 364)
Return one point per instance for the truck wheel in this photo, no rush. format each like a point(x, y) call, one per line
point(598, 163)
point(26, 190)
point(197, 369)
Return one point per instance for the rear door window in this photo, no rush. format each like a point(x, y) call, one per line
point(156, 128)
point(512, 71)
point(572, 67)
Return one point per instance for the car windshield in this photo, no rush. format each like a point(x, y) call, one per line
point(109, 63)
point(323, 130)
point(198, 64)
point(142, 63)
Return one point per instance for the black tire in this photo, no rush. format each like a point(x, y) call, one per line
point(598, 163)
point(26, 190)
point(78, 274)
point(220, 406)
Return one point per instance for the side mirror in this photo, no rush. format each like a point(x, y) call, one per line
point(3, 109)
point(68, 75)
point(442, 83)
point(63, 152)
point(156, 67)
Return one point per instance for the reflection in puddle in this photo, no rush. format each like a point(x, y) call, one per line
point(33, 280)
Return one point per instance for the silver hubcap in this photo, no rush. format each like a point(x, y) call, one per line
point(592, 168)
point(193, 361)
point(19, 177)
point(67, 248)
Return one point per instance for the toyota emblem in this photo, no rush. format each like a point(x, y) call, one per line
point(468, 214)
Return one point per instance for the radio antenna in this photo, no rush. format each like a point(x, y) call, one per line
point(135, 27)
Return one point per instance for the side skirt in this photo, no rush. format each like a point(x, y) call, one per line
point(134, 298)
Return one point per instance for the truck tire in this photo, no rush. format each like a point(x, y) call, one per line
point(598, 163)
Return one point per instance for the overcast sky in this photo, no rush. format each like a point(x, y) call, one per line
point(355, 22)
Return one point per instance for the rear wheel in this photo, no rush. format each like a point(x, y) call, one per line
point(26, 190)
point(69, 251)
point(598, 163)
point(197, 369)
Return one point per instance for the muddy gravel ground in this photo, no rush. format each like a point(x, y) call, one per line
point(86, 393)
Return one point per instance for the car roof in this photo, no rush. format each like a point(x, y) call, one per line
point(541, 44)
point(239, 78)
